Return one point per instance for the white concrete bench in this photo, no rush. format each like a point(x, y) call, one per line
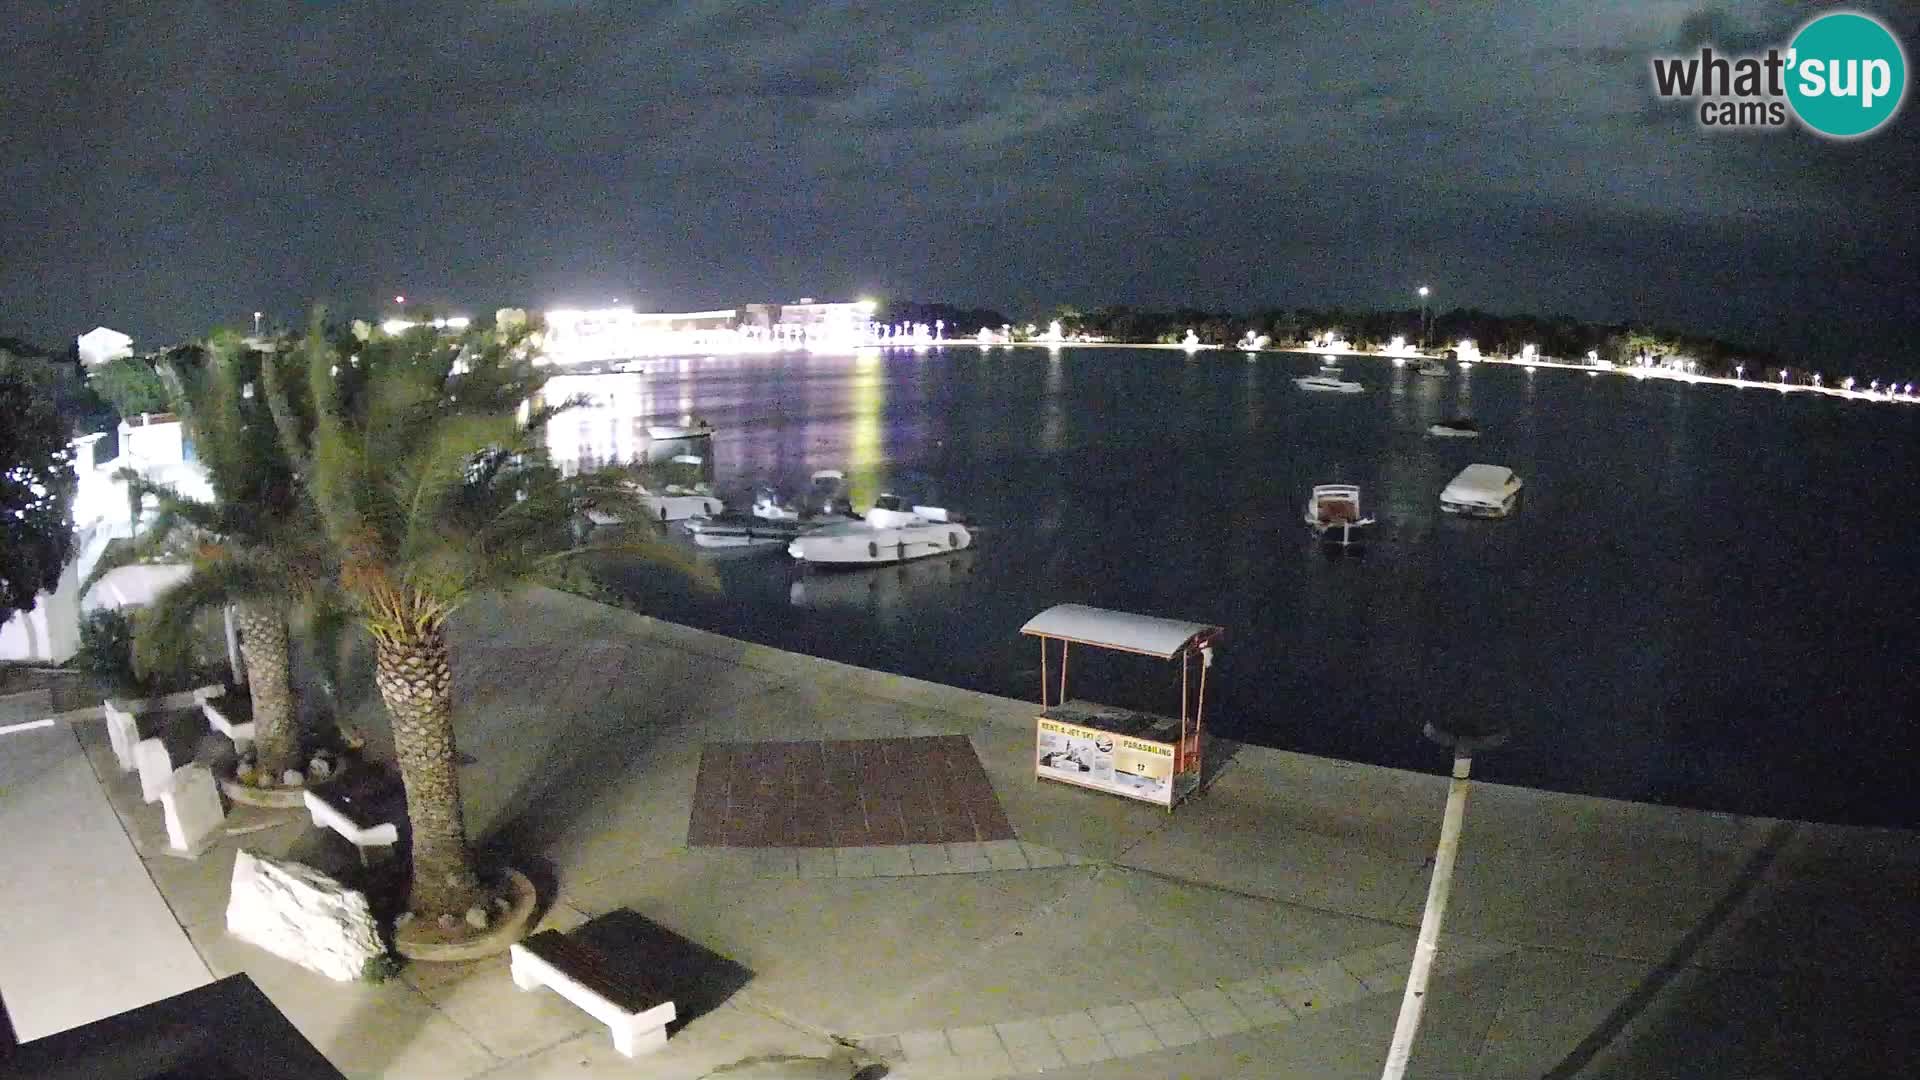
point(123, 717)
point(637, 1013)
point(192, 807)
point(217, 719)
point(154, 760)
point(366, 806)
point(123, 731)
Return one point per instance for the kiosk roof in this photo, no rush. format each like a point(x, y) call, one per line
point(1148, 634)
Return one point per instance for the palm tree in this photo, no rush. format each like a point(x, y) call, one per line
point(426, 470)
point(255, 547)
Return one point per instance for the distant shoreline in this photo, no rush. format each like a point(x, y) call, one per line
point(1881, 397)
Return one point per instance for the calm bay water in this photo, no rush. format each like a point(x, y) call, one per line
point(1706, 599)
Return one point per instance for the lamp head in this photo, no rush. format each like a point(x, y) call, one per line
point(1464, 736)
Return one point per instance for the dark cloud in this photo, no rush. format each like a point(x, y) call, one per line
point(175, 165)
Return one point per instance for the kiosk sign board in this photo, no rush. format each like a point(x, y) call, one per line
point(1105, 761)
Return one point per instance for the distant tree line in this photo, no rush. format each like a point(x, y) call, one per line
point(960, 322)
point(1560, 337)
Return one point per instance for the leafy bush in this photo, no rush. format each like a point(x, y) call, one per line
point(131, 386)
point(111, 653)
point(106, 650)
point(379, 969)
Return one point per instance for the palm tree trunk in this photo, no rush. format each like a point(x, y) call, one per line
point(263, 644)
point(416, 683)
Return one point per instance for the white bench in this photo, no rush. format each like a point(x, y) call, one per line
point(192, 808)
point(637, 1014)
point(154, 760)
point(123, 717)
point(365, 806)
point(241, 733)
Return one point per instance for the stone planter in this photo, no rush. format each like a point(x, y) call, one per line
point(427, 942)
point(278, 797)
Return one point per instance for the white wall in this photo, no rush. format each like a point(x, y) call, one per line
point(50, 633)
point(153, 443)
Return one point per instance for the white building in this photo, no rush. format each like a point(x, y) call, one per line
point(152, 445)
point(601, 335)
point(100, 345)
point(574, 336)
point(811, 324)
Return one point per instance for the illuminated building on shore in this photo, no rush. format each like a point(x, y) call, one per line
point(574, 336)
point(601, 335)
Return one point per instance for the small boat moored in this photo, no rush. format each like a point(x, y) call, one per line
point(1481, 491)
point(771, 521)
point(1333, 513)
point(1328, 382)
point(1432, 369)
point(670, 492)
point(890, 532)
point(1457, 428)
point(672, 503)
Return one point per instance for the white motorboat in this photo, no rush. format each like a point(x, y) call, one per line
point(1432, 369)
point(1459, 428)
point(688, 428)
point(890, 532)
point(1481, 491)
point(1328, 383)
point(672, 492)
point(1333, 513)
point(671, 503)
point(676, 503)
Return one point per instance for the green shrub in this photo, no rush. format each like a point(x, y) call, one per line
point(379, 969)
point(109, 652)
point(106, 650)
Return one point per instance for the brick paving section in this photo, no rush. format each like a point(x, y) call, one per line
point(844, 793)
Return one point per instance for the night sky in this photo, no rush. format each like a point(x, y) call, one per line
point(170, 166)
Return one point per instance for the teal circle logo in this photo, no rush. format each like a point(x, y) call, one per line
point(1846, 74)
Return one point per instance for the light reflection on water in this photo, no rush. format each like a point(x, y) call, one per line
point(1666, 617)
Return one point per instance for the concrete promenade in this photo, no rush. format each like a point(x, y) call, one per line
point(1262, 930)
point(73, 893)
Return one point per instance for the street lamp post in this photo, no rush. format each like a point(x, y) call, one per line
point(1425, 322)
point(1464, 743)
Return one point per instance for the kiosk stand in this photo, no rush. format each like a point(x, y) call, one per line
point(1138, 755)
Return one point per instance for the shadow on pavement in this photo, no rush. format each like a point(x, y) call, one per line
point(1797, 971)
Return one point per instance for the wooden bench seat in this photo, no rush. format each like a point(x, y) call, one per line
point(625, 996)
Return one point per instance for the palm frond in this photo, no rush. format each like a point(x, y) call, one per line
point(641, 543)
point(423, 485)
point(164, 635)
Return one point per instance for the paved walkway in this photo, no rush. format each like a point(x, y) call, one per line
point(75, 899)
point(1262, 930)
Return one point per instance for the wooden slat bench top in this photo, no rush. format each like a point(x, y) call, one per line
point(626, 985)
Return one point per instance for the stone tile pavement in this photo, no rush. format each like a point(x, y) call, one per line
point(1259, 931)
